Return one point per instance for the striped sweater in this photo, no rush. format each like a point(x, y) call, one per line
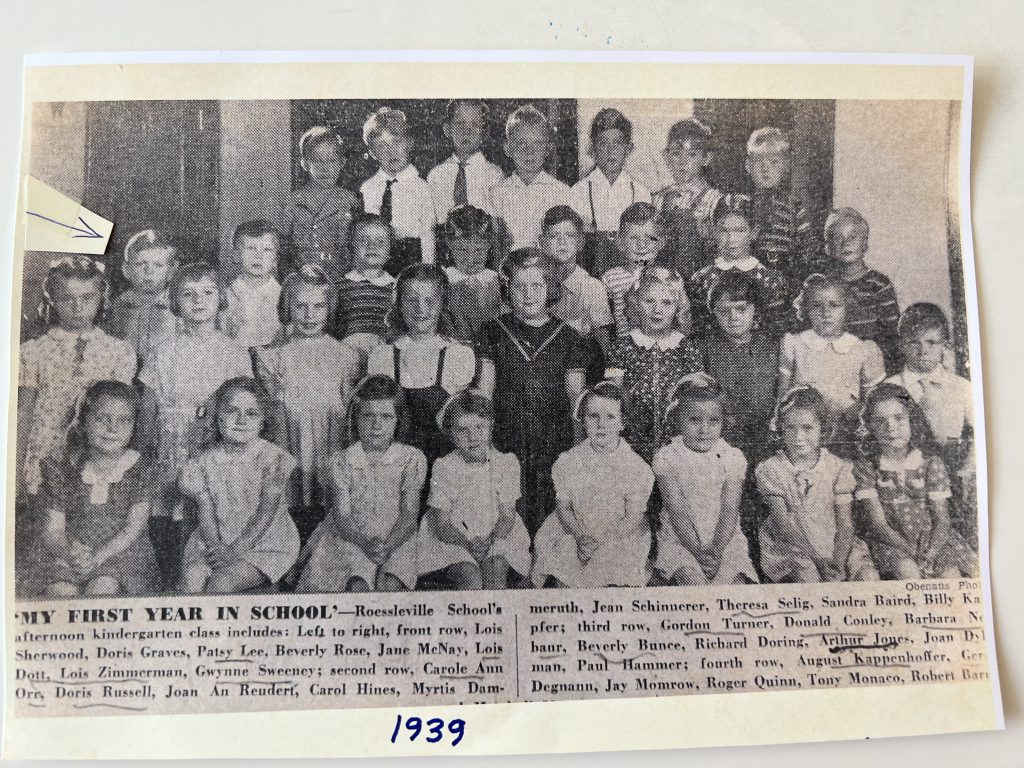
point(873, 313)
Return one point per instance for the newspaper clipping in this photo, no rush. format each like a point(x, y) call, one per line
point(471, 400)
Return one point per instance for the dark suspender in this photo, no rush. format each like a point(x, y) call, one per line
point(440, 365)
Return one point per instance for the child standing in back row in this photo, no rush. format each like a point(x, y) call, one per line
point(142, 315)
point(251, 314)
point(397, 193)
point(466, 177)
point(318, 218)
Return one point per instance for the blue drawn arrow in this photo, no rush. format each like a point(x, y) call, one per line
point(87, 232)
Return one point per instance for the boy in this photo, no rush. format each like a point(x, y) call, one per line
point(785, 236)
point(522, 199)
point(639, 240)
point(873, 312)
point(396, 192)
point(142, 314)
point(735, 235)
point(609, 189)
point(467, 177)
point(690, 200)
point(251, 316)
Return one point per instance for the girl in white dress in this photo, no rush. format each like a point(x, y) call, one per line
point(310, 377)
point(472, 530)
point(600, 535)
point(245, 538)
point(368, 539)
point(701, 478)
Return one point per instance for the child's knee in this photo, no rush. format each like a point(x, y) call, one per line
point(61, 589)
point(688, 577)
point(388, 582)
point(466, 576)
point(357, 584)
point(906, 569)
point(102, 585)
point(194, 578)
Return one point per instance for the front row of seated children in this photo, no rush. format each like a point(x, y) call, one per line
point(886, 514)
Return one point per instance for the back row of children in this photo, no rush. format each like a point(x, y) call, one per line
point(530, 366)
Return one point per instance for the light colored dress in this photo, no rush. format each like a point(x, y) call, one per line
point(471, 496)
point(183, 375)
point(371, 494)
point(810, 497)
point(234, 481)
point(306, 376)
point(702, 477)
point(840, 369)
point(60, 365)
point(251, 316)
point(600, 489)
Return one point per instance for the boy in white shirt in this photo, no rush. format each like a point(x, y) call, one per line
point(466, 177)
point(523, 198)
point(397, 193)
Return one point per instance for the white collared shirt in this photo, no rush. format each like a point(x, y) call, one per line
point(841, 369)
point(418, 362)
point(945, 398)
point(383, 280)
point(600, 203)
point(482, 176)
point(412, 211)
point(251, 316)
point(456, 275)
point(584, 302)
point(522, 206)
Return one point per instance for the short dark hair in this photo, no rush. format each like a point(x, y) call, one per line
point(254, 229)
point(691, 130)
point(77, 438)
point(809, 399)
point(240, 384)
point(920, 317)
point(560, 214)
point(366, 220)
point(464, 403)
point(379, 387)
point(608, 390)
point(921, 436)
point(734, 285)
point(610, 119)
point(453, 104)
point(193, 273)
point(638, 214)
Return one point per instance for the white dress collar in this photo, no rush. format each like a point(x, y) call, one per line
point(841, 345)
point(665, 343)
point(99, 482)
point(383, 280)
point(743, 265)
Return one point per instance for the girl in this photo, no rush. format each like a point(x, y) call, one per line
point(368, 540)
point(649, 363)
point(94, 504)
point(808, 535)
point(366, 292)
point(179, 378)
point(532, 366)
point(475, 291)
point(903, 491)
point(836, 363)
point(428, 366)
point(472, 530)
point(309, 377)
point(57, 367)
point(600, 535)
point(245, 538)
point(701, 477)
point(321, 209)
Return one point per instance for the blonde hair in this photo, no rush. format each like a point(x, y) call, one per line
point(527, 116)
point(385, 120)
point(767, 141)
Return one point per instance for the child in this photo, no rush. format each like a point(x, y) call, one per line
point(735, 234)
point(94, 505)
point(532, 367)
point(466, 177)
point(600, 535)
point(396, 192)
point(57, 367)
point(808, 535)
point(142, 315)
point(309, 377)
point(428, 366)
point(945, 398)
point(245, 538)
point(609, 189)
point(874, 312)
point(472, 531)
point(690, 201)
point(475, 290)
point(366, 292)
point(840, 366)
point(701, 479)
point(904, 493)
point(521, 199)
point(785, 237)
point(179, 378)
point(649, 363)
point(320, 212)
point(639, 240)
point(368, 541)
point(743, 359)
point(251, 315)
point(584, 301)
